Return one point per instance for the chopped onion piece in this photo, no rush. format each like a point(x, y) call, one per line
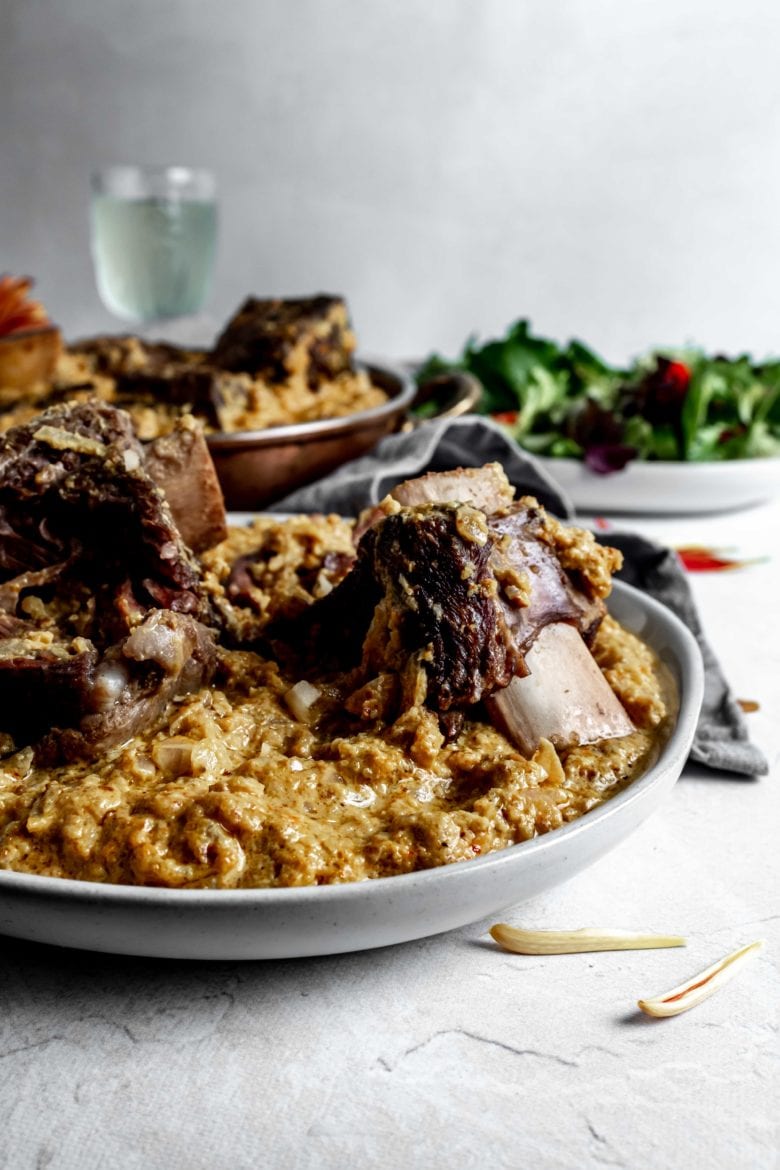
point(572, 942)
point(131, 459)
point(687, 995)
point(301, 699)
point(174, 755)
point(547, 757)
point(62, 440)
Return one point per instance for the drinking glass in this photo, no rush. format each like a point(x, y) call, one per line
point(154, 232)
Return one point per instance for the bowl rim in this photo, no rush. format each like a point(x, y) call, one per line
point(656, 466)
point(673, 753)
point(327, 427)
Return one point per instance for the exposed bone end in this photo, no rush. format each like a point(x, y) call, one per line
point(564, 699)
point(486, 488)
point(181, 466)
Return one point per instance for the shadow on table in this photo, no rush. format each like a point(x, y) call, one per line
point(40, 974)
point(698, 773)
point(59, 1004)
point(82, 1000)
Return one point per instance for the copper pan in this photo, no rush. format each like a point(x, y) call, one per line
point(256, 468)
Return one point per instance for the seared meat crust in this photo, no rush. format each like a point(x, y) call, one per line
point(73, 490)
point(446, 590)
point(276, 338)
point(89, 556)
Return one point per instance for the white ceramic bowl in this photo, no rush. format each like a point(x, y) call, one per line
point(287, 923)
point(667, 488)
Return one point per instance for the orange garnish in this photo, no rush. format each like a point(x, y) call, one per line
point(18, 311)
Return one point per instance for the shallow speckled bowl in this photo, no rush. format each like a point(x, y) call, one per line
point(272, 924)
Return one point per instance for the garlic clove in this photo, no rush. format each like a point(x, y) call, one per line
point(571, 942)
point(701, 986)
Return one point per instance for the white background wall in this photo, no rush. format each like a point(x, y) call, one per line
point(609, 168)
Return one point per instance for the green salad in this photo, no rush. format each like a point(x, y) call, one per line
point(675, 404)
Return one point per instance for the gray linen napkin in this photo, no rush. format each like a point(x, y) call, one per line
point(721, 739)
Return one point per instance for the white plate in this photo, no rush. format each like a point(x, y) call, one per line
point(287, 923)
point(667, 488)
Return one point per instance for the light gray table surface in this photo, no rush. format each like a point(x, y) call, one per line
point(449, 1052)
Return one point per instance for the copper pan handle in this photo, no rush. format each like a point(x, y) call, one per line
point(453, 394)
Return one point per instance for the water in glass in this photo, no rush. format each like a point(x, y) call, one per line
point(153, 242)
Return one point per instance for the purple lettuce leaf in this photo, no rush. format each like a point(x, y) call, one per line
point(604, 458)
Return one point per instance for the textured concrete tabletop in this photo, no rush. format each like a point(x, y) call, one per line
point(448, 1052)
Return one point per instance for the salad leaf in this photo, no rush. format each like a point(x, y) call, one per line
point(668, 404)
